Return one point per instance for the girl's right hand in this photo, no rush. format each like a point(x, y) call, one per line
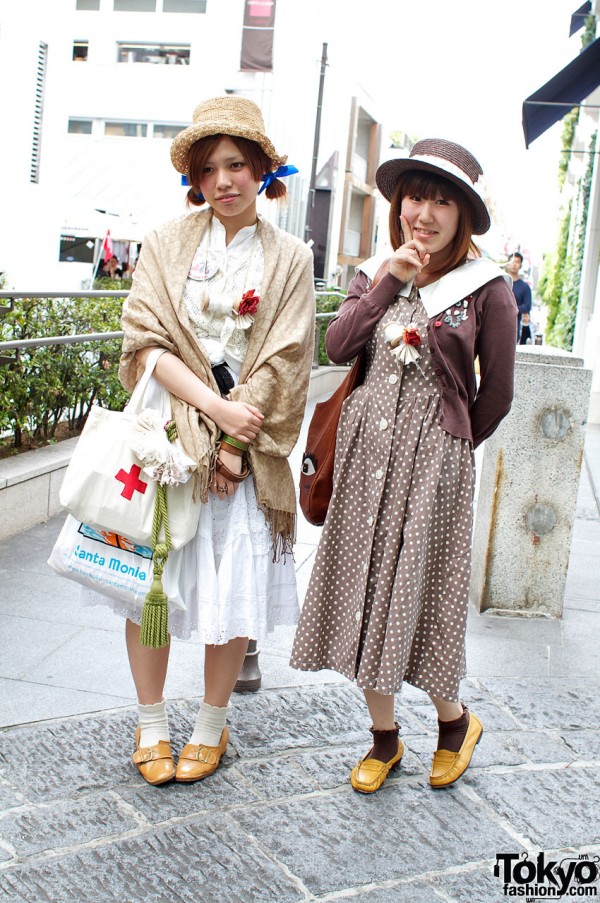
point(239, 420)
point(409, 259)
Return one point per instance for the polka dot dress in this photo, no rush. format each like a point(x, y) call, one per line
point(388, 596)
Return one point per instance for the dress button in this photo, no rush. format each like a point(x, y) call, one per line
point(370, 520)
point(358, 616)
point(383, 424)
point(393, 379)
point(365, 568)
point(378, 474)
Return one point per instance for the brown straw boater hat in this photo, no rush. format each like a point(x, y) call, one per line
point(444, 158)
point(228, 115)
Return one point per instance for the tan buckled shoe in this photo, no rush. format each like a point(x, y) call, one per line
point(369, 774)
point(154, 763)
point(448, 766)
point(197, 762)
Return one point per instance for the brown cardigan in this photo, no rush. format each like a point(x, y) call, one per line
point(467, 410)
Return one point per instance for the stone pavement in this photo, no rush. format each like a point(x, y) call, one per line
point(279, 821)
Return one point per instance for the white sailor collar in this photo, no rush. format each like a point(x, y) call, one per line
point(451, 288)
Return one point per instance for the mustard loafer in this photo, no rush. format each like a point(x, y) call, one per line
point(198, 761)
point(154, 763)
point(448, 766)
point(369, 774)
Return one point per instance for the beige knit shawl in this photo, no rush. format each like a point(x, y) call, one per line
point(276, 370)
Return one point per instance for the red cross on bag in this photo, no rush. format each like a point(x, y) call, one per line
point(132, 482)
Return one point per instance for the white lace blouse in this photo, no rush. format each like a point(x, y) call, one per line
point(219, 275)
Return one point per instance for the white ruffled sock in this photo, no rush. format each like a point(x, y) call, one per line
point(209, 725)
point(154, 723)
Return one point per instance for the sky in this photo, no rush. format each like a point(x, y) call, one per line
point(461, 69)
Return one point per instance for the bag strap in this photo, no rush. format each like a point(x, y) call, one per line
point(134, 405)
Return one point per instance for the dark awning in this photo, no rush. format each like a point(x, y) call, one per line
point(579, 16)
point(563, 92)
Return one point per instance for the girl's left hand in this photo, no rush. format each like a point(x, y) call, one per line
point(220, 485)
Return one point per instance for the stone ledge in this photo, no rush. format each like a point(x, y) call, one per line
point(29, 483)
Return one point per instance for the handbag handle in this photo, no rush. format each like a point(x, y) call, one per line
point(134, 405)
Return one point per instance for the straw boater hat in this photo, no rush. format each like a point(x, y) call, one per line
point(227, 115)
point(444, 158)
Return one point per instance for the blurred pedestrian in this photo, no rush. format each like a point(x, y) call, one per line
point(521, 290)
point(388, 596)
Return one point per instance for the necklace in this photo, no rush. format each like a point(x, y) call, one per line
point(224, 302)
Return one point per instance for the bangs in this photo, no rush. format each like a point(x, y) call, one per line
point(427, 185)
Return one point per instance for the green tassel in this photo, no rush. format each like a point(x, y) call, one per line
point(155, 613)
point(155, 616)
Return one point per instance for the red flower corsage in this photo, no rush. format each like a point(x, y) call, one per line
point(244, 316)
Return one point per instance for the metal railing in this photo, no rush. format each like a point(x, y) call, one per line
point(104, 336)
point(16, 344)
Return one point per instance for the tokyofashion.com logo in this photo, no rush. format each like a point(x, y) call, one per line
point(546, 880)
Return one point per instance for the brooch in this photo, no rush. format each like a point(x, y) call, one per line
point(457, 313)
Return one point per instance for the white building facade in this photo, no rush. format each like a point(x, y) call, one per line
point(100, 87)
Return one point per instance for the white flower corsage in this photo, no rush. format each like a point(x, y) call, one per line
point(404, 341)
point(153, 442)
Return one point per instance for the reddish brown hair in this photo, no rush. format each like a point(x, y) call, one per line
point(252, 153)
point(428, 186)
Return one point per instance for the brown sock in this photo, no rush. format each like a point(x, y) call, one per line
point(452, 733)
point(385, 744)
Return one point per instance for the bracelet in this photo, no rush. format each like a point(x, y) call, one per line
point(232, 449)
point(235, 442)
point(229, 475)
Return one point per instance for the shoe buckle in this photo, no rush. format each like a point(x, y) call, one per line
point(146, 754)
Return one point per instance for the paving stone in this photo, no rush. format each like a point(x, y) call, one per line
point(10, 798)
point(550, 703)
point(178, 864)
point(225, 788)
point(64, 825)
point(317, 838)
point(585, 744)
point(409, 892)
point(479, 886)
point(554, 808)
point(540, 747)
point(277, 778)
point(86, 754)
point(277, 720)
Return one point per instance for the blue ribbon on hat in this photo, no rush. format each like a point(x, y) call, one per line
point(280, 173)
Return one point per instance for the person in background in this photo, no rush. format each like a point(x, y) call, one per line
point(388, 595)
point(521, 290)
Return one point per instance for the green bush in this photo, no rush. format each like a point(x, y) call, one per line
point(59, 383)
point(327, 304)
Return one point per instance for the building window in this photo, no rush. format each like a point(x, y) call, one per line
point(126, 129)
point(80, 127)
point(80, 51)
point(134, 6)
point(162, 130)
point(172, 54)
point(40, 86)
point(88, 4)
point(184, 6)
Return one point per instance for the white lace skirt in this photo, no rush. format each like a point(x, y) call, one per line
point(228, 581)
